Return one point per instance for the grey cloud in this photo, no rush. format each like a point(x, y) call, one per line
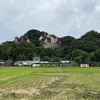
point(59, 17)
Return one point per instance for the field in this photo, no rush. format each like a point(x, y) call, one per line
point(49, 83)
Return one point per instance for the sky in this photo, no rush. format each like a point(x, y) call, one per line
point(59, 17)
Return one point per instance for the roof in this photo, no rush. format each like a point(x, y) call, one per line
point(44, 62)
point(66, 61)
point(36, 59)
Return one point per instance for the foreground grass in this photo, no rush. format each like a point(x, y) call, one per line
point(49, 83)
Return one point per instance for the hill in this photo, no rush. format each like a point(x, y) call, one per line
point(52, 48)
point(88, 42)
point(38, 38)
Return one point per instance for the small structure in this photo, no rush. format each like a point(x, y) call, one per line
point(66, 63)
point(62, 63)
point(84, 65)
point(34, 62)
point(27, 63)
point(18, 63)
point(8, 62)
point(36, 59)
point(44, 63)
point(2, 63)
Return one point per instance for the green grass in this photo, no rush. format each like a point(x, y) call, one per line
point(49, 83)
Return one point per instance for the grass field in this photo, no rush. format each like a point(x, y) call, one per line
point(49, 83)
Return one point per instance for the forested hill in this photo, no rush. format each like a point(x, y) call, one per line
point(38, 38)
point(88, 42)
point(40, 43)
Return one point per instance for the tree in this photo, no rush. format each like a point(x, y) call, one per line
point(80, 56)
point(92, 56)
point(46, 58)
point(34, 54)
point(67, 40)
point(57, 59)
point(97, 54)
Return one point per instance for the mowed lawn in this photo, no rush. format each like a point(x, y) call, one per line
point(58, 83)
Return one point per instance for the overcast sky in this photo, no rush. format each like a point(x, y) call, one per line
point(59, 17)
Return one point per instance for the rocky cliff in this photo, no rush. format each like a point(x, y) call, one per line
point(39, 38)
point(22, 39)
point(49, 41)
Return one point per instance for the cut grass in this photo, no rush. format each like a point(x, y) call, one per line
point(50, 83)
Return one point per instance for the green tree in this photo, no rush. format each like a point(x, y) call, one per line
point(80, 56)
point(97, 54)
point(46, 58)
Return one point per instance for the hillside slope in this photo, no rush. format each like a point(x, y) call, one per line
point(39, 38)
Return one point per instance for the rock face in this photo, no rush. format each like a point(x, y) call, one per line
point(38, 38)
point(22, 39)
point(49, 41)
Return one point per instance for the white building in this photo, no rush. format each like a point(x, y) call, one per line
point(34, 62)
point(84, 65)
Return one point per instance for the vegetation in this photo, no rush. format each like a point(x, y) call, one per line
point(83, 50)
point(49, 83)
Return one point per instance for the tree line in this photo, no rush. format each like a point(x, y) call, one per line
point(82, 50)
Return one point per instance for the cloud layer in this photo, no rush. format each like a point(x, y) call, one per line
point(59, 17)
